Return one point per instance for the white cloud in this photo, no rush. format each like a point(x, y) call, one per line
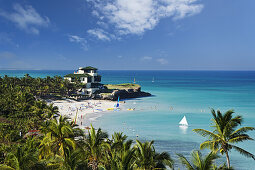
point(79, 40)
point(95, 13)
point(162, 61)
point(101, 34)
point(102, 24)
point(146, 58)
point(137, 16)
point(26, 18)
point(120, 56)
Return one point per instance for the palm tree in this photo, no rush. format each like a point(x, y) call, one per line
point(225, 134)
point(147, 158)
point(95, 143)
point(51, 111)
point(198, 162)
point(59, 138)
point(75, 159)
point(23, 158)
point(120, 154)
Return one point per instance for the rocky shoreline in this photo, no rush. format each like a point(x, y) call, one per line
point(122, 94)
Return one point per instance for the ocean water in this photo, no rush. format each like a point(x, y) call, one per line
point(175, 94)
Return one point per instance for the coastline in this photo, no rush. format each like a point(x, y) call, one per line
point(188, 93)
point(86, 110)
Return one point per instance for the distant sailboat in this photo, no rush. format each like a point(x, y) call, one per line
point(134, 80)
point(183, 122)
point(152, 80)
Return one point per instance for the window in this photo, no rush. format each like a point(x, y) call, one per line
point(97, 78)
point(89, 79)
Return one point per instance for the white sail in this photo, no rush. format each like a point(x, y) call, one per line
point(184, 122)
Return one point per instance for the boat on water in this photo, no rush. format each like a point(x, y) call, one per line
point(118, 102)
point(134, 80)
point(152, 80)
point(130, 109)
point(184, 122)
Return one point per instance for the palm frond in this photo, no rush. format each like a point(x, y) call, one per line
point(242, 130)
point(210, 144)
point(209, 159)
point(185, 162)
point(243, 152)
point(205, 133)
point(196, 159)
point(6, 167)
point(240, 138)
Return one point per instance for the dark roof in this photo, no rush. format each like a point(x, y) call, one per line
point(77, 75)
point(89, 68)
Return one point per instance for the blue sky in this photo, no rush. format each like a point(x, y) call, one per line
point(128, 34)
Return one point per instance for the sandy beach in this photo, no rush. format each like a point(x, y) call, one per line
point(86, 111)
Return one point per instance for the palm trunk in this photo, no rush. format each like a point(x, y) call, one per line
point(228, 161)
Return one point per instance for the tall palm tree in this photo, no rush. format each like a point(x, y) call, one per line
point(198, 162)
point(95, 144)
point(147, 158)
point(225, 133)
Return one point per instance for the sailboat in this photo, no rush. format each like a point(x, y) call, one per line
point(134, 80)
point(152, 80)
point(117, 105)
point(184, 122)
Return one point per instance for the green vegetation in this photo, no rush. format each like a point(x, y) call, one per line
point(56, 142)
point(122, 86)
point(226, 134)
point(49, 87)
point(89, 68)
point(198, 162)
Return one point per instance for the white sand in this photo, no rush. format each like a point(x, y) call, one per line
point(86, 110)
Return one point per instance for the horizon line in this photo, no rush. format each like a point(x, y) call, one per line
point(12, 69)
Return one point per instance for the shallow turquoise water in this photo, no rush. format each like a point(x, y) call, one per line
point(190, 93)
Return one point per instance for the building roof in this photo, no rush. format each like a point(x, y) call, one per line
point(88, 68)
point(77, 75)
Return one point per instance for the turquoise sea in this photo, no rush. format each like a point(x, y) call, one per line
point(189, 93)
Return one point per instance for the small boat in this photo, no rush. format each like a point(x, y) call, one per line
point(152, 80)
point(184, 122)
point(118, 105)
point(134, 80)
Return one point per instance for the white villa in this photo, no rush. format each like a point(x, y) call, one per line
point(89, 77)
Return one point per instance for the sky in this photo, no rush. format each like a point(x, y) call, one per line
point(127, 34)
